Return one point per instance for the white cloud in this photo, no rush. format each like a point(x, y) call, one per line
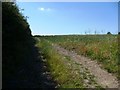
point(41, 9)
point(44, 9)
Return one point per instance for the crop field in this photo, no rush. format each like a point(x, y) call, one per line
point(100, 48)
point(103, 48)
point(65, 72)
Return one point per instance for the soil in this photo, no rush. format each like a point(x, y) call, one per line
point(103, 78)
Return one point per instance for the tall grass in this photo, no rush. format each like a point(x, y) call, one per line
point(60, 72)
point(61, 67)
point(103, 48)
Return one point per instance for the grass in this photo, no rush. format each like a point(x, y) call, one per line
point(103, 48)
point(55, 63)
point(63, 70)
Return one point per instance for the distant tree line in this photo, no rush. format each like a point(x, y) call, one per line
point(111, 33)
point(98, 32)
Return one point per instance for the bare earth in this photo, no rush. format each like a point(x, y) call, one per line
point(103, 78)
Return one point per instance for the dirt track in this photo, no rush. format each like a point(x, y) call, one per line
point(103, 78)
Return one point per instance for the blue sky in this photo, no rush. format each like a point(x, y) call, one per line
point(54, 18)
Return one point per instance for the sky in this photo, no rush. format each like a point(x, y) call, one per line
point(61, 18)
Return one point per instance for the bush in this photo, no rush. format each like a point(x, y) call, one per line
point(108, 32)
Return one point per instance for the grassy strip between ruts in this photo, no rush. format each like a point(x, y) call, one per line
point(61, 68)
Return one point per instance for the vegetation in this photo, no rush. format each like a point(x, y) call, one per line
point(16, 41)
point(108, 32)
point(103, 48)
point(67, 73)
point(119, 56)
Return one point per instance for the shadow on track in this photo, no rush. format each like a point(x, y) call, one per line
point(33, 73)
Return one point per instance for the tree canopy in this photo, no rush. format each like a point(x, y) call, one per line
point(16, 40)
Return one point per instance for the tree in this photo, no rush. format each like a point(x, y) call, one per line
point(16, 41)
point(108, 32)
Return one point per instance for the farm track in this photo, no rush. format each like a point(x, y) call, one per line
point(103, 78)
